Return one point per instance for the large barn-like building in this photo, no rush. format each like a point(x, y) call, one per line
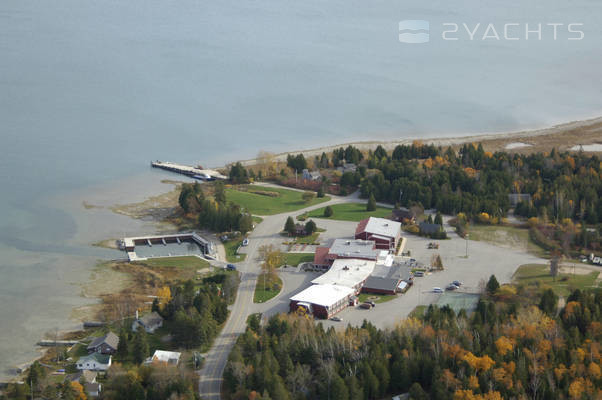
point(323, 301)
point(384, 232)
point(345, 248)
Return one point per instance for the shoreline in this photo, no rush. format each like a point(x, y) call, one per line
point(491, 138)
point(154, 207)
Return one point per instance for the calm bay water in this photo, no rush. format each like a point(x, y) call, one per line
point(91, 91)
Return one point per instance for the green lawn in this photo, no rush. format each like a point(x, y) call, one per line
point(287, 200)
point(505, 236)
point(418, 312)
point(352, 212)
point(177, 262)
point(539, 274)
point(309, 239)
point(377, 298)
point(268, 286)
point(295, 259)
point(231, 247)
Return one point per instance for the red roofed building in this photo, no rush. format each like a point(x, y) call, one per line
point(384, 232)
point(345, 248)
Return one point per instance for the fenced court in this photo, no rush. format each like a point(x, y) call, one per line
point(459, 301)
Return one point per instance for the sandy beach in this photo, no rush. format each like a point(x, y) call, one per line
point(562, 137)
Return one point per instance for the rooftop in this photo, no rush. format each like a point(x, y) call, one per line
point(346, 272)
point(379, 226)
point(170, 357)
point(323, 295)
point(110, 338)
point(151, 319)
point(99, 358)
point(354, 248)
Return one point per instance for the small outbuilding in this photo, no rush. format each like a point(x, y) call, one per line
point(165, 357)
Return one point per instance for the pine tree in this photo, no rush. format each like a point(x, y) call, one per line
point(289, 226)
point(310, 227)
point(122, 347)
point(140, 350)
point(328, 212)
point(492, 285)
point(371, 206)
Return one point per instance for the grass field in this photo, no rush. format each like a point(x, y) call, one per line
point(351, 212)
point(268, 286)
point(295, 259)
point(377, 298)
point(231, 246)
point(177, 262)
point(258, 204)
point(539, 275)
point(510, 236)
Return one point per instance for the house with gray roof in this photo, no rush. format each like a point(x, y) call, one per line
point(106, 344)
point(150, 322)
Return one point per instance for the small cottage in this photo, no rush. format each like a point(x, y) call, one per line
point(150, 322)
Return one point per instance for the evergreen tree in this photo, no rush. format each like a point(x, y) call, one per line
point(140, 347)
point(246, 223)
point(122, 347)
point(492, 285)
point(371, 205)
point(219, 192)
point(439, 219)
point(328, 212)
point(310, 227)
point(289, 226)
point(548, 302)
point(321, 192)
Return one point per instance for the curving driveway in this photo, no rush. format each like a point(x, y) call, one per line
point(266, 233)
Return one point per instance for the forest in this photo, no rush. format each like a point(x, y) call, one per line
point(473, 181)
point(215, 214)
point(508, 348)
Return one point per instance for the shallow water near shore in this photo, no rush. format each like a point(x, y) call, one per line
point(91, 91)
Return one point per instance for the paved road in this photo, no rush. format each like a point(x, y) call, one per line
point(267, 232)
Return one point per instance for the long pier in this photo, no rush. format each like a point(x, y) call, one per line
point(196, 173)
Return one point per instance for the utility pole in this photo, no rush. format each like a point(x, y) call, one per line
point(466, 237)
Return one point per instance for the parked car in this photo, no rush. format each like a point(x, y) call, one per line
point(419, 273)
point(245, 242)
point(451, 286)
point(457, 283)
point(366, 306)
point(437, 290)
point(231, 267)
point(337, 319)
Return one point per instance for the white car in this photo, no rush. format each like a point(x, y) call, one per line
point(245, 242)
point(437, 290)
